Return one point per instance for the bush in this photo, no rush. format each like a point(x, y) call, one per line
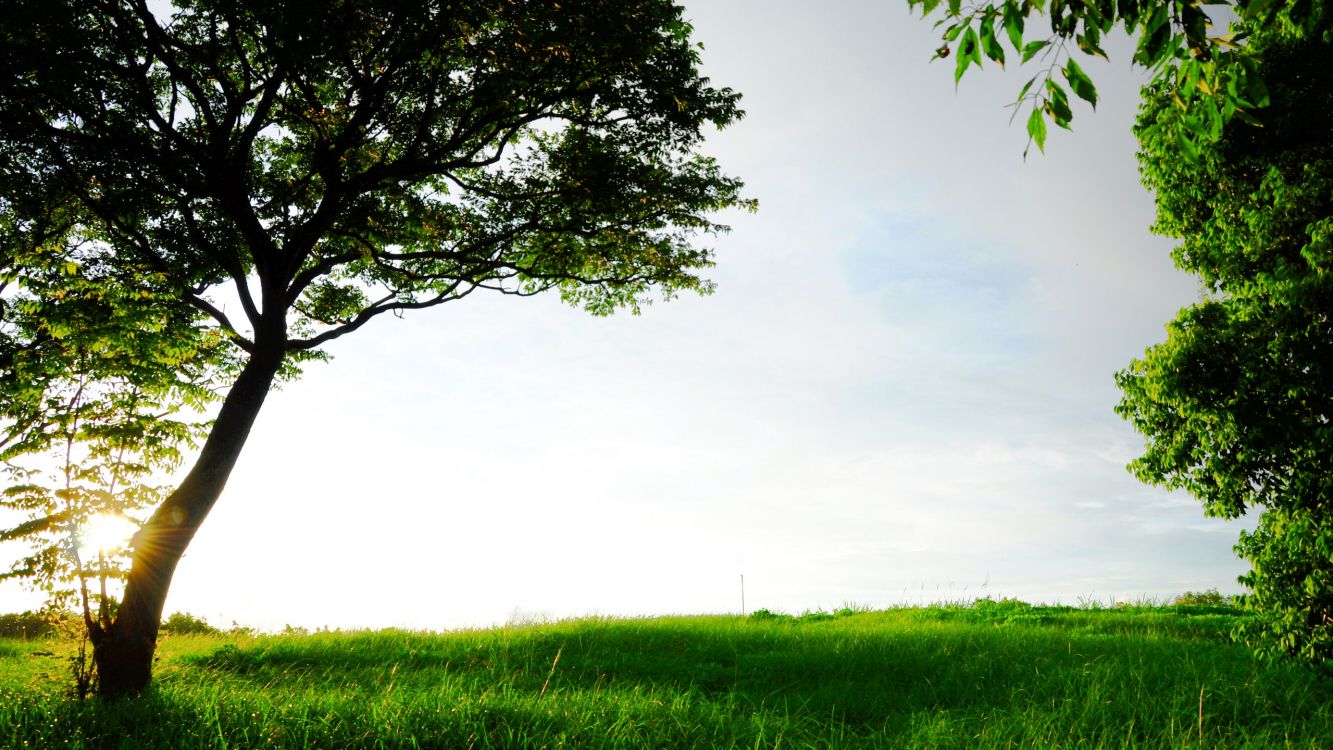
point(765, 615)
point(184, 623)
point(29, 625)
point(815, 617)
point(1003, 609)
point(1209, 598)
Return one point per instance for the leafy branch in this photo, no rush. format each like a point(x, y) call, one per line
point(1206, 75)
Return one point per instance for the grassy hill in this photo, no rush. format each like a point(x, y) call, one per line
point(991, 674)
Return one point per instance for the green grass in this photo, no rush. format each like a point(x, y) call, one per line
point(990, 675)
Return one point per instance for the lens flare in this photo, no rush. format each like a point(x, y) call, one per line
point(106, 533)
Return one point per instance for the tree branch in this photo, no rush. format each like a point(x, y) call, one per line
point(213, 312)
point(367, 314)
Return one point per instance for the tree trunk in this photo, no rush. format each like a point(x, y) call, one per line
point(123, 652)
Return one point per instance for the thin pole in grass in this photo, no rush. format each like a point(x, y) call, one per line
point(742, 594)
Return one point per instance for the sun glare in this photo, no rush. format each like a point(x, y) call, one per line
point(106, 533)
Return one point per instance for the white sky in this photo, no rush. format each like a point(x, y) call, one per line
point(901, 392)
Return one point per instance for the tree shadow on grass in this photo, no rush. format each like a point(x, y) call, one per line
point(159, 719)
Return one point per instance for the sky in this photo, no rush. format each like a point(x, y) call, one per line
point(901, 392)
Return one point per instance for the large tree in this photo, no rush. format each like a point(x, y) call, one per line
point(1236, 403)
point(290, 171)
point(1235, 134)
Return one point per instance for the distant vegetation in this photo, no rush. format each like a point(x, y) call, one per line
point(1209, 598)
point(184, 623)
point(992, 673)
point(27, 625)
point(33, 625)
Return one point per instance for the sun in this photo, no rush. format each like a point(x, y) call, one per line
point(106, 533)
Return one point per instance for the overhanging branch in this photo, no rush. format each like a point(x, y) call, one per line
point(365, 316)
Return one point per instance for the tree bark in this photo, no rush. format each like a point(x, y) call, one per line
point(123, 652)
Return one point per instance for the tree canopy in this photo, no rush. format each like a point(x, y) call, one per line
point(1236, 403)
point(279, 174)
point(1234, 131)
point(102, 389)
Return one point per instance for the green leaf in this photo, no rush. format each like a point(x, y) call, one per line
point(1032, 48)
point(1188, 75)
point(1058, 104)
point(1037, 128)
point(1128, 11)
point(1195, 23)
point(1234, 82)
point(990, 45)
point(1258, 92)
point(1214, 119)
point(1247, 118)
point(1013, 25)
point(1153, 45)
point(969, 51)
point(1187, 147)
point(1193, 123)
point(1090, 42)
point(1255, 7)
point(1080, 83)
point(974, 50)
point(927, 6)
point(1024, 91)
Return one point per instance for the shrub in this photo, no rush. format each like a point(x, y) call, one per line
point(1002, 609)
point(1209, 598)
point(184, 623)
point(815, 617)
point(29, 625)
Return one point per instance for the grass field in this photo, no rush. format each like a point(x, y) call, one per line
point(984, 675)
